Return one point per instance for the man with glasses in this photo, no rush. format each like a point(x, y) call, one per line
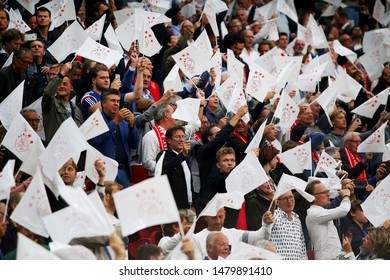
point(319, 220)
point(286, 233)
point(11, 76)
point(175, 165)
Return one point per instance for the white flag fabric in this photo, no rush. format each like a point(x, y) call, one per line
point(80, 180)
point(316, 34)
point(287, 112)
point(256, 140)
point(73, 222)
point(123, 14)
point(159, 166)
point(7, 179)
point(266, 11)
point(151, 18)
point(287, 7)
point(375, 39)
point(52, 6)
point(308, 80)
point(99, 53)
point(378, 12)
point(245, 251)
point(95, 30)
point(214, 7)
point(127, 32)
point(368, 108)
point(172, 80)
point(267, 61)
point(190, 61)
point(17, 22)
point(377, 205)
point(247, 176)
point(204, 44)
point(30, 250)
point(216, 63)
point(33, 206)
point(30, 164)
point(69, 42)
point(375, 143)
point(110, 165)
point(28, 5)
point(20, 138)
point(152, 204)
point(148, 43)
point(329, 11)
point(66, 12)
point(288, 183)
point(187, 110)
point(225, 91)
point(94, 125)
point(287, 73)
point(232, 200)
point(112, 40)
point(327, 161)
point(37, 106)
point(235, 67)
point(372, 64)
point(330, 70)
point(67, 143)
point(260, 81)
point(213, 24)
point(341, 50)
point(8, 61)
point(327, 100)
point(11, 106)
point(238, 100)
point(298, 158)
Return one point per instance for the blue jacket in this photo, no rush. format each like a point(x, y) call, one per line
point(105, 143)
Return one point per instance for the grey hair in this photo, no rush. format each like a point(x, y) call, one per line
point(158, 113)
point(211, 237)
point(331, 151)
point(349, 135)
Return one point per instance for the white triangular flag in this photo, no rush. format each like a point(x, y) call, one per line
point(308, 80)
point(30, 164)
point(152, 203)
point(378, 12)
point(238, 100)
point(95, 30)
point(372, 64)
point(327, 161)
point(287, 111)
point(110, 165)
point(11, 106)
point(368, 108)
point(235, 67)
point(7, 179)
point(69, 42)
point(245, 251)
point(341, 50)
point(172, 80)
point(67, 143)
point(216, 64)
point(20, 138)
point(28, 5)
point(17, 22)
point(99, 53)
point(8, 62)
point(123, 14)
point(66, 12)
point(127, 32)
point(27, 249)
point(33, 206)
point(37, 106)
point(148, 43)
point(376, 207)
point(260, 81)
point(232, 200)
point(226, 90)
point(266, 60)
point(187, 110)
point(256, 140)
point(327, 100)
point(247, 176)
point(287, 7)
point(375, 143)
point(214, 7)
point(80, 180)
point(112, 40)
point(190, 61)
point(288, 183)
point(204, 44)
point(287, 68)
point(94, 125)
point(297, 159)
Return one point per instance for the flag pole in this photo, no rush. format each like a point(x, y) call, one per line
point(6, 206)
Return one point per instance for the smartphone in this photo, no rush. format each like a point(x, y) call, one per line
point(117, 76)
point(30, 37)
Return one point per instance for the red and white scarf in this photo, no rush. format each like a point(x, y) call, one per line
point(353, 160)
point(242, 139)
point(162, 141)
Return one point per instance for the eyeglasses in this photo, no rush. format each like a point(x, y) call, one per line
point(26, 62)
point(324, 192)
point(33, 120)
point(286, 199)
point(178, 137)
